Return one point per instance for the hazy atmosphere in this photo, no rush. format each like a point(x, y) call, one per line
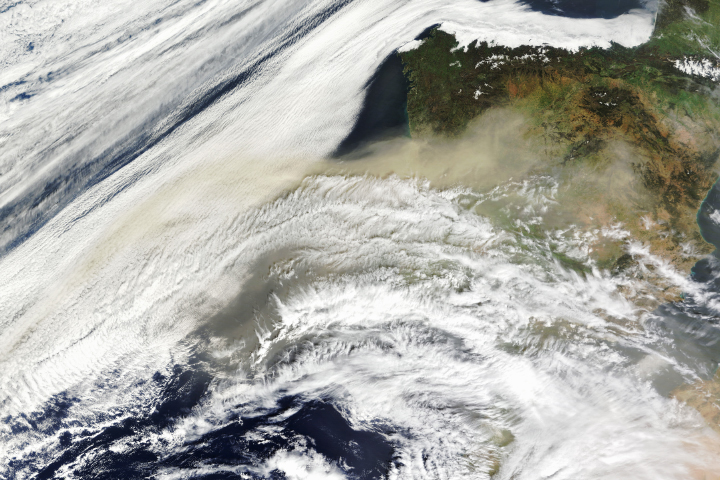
point(359, 239)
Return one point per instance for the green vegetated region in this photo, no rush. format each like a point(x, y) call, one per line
point(632, 138)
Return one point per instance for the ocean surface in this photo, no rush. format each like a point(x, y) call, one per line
point(189, 287)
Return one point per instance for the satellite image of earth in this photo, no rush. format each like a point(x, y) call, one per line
point(360, 239)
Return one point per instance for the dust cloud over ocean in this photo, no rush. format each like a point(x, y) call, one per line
point(182, 295)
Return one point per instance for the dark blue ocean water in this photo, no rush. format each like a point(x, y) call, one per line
point(584, 8)
point(231, 452)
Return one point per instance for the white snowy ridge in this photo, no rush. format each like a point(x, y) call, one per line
point(701, 68)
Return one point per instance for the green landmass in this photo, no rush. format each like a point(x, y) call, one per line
point(594, 112)
point(630, 137)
